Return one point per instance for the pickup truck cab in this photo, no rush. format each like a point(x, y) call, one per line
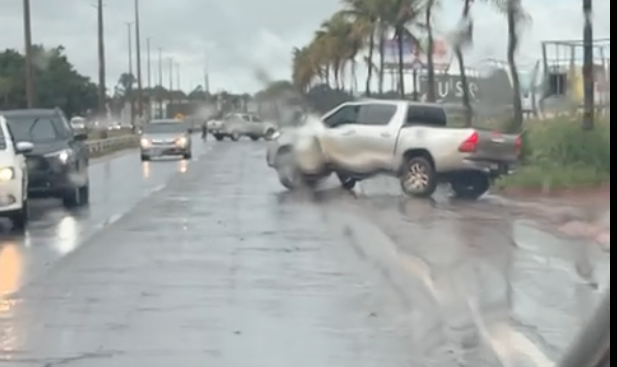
point(410, 141)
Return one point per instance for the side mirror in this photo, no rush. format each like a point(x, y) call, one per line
point(81, 136)
point(24, 147)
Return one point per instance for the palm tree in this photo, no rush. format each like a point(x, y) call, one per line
point(515, 15)
point(431, 5)
point(365, 19)
point(400, 15)
point(464, 37)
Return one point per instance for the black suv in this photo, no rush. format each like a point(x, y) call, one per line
point(58, 165)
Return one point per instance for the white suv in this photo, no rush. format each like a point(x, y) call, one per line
point(13, 178)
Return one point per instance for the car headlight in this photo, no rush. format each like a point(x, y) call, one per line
point(145, 143)
point(63, 156)
point(182, 142)
point(7, 174)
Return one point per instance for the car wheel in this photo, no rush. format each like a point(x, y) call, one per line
point(347, 183)
point(20, 218)
point(418, 178)
point(235, 136)
point(77, 197)
point(219, 137)
point(471, 186)
point(254, 138)
point(145, 158)
point(187, 156)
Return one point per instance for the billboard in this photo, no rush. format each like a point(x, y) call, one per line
point(414, 55)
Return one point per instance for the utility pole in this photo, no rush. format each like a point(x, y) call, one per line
point(588, 72)
point(178, 80)
point(170, 65)
point(30, 93)
point(159, 87)
point(149, 61)
point(101, 53)
point(206, 75)
point(129, 26)
point(140, 100)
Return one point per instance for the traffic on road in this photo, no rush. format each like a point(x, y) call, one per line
point(201, 258)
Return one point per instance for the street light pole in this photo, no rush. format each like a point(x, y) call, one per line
point(149, 61)
point(178, 84)
point(140, 101)
point(588, 72)
point(129, 26)
point(30, 99)
point(160, 83)
point(101, 53)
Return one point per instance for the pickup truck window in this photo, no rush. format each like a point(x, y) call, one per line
point(426, 116)
point(376, 114)
point(347, 115)
point(256, 119)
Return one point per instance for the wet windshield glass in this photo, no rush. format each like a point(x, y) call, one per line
point(35, 129)
point(164, 128)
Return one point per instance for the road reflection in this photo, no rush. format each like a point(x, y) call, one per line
point(145, 169)
point(183, 165)
point(66, 238)
point(11, 269)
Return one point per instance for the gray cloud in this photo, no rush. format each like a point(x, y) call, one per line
point(242, 36)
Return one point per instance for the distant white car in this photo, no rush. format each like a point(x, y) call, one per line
point(78, 123)
point(13, 178)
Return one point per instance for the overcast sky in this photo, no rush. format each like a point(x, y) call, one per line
point(240, 36)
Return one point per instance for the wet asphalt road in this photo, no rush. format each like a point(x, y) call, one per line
point(211, 263)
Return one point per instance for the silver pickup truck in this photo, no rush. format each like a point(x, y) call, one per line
point(238, 125)
point(410, 141)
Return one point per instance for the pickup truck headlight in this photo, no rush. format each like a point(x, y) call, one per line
point(64, 156)
point(7, 174)
point(145, 143)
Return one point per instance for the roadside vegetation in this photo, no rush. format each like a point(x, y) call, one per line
point(558, 155)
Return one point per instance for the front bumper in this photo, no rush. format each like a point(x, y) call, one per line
point(11, 196)
point(164, 150)
point(51, 178)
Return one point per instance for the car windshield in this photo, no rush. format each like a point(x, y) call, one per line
point(35, 129)
point(165, 128)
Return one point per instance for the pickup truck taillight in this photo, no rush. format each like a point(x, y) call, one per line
point(471, 144)
point(518, 145)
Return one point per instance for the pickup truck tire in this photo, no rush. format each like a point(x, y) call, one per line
point(219, 137)
point(346, 182)
point(254, 138)
point(20, 218)
point(471, 186)
point(418, 178)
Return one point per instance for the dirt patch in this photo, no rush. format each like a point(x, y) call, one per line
point(580, 213)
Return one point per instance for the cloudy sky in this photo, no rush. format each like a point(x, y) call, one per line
point(238, 37)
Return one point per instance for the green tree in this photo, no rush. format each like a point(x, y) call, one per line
point(58, 84)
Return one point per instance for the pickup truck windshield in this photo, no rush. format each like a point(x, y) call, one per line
point(427, 116)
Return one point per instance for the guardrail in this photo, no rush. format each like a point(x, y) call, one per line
point(102, 146)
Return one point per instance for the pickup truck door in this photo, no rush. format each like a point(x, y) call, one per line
point(340, 141)
point(377, 129)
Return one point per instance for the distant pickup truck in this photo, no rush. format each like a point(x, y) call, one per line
point(411, 141)
point(238, 125)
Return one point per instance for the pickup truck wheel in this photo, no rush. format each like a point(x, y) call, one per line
point(418, 178)
point(471, 186)
point(219, 137)
point(347, 183)
point(254, 138)
point(289, 176)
